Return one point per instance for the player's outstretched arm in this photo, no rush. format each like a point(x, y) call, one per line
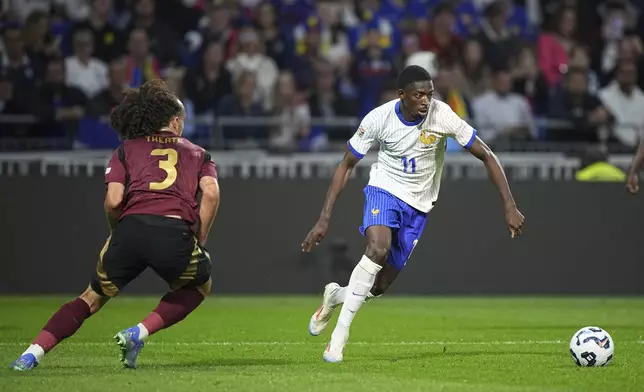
point(209, 206)
point(632, 184)
point(338, 182)
point(513, 217)
point(113, 201)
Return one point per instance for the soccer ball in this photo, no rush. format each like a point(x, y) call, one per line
point(592, 346)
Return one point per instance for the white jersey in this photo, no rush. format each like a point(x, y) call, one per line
point(410, 161)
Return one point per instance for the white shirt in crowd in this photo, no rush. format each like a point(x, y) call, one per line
point(411, 156)
point(495, 113)
point(628, 111)
point(90, 78)
point(265, 70)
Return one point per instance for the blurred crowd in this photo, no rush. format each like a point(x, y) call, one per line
point(532, 71)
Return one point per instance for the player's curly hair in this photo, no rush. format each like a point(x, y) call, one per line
point(145, 110)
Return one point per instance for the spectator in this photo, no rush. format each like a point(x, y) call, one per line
point(326, 103)
point(325, 100)
point(309, 54)
point(500, 114)
point(39, 42)
point(162, 40)
point(101, 105)
point(388, 32)
point(628, 49)
point(335, 41)
point(581, 115)
point(275, 41)
point(625, 101)
point(371, 68)
point(499, 43)
point(210, 81)
point(174, 81)
point(15, 64)
point(242, 104)
point(554, 47)
point(21, 9)
point(410, 46)
point(57, 104)
point(617, 42)
point(13, 102)
point(75, 10)
point(441, 39)
point(251, 57)
point(446, 91)
point(293, 114)
point(218, 28)
point(108, 41)
point(529, 82)
point(82, 70)
point(472, 75)
point(141, 64)
point(580, 59)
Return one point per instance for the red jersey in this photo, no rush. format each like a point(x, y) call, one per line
point(161, 174)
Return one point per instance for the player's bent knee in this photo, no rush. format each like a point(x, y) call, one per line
point(377, 253)
point(205, 288)
point(94, 300)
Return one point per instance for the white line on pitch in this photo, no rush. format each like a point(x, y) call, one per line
point(287, 343)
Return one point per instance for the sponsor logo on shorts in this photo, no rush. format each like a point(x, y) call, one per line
point(375, 211)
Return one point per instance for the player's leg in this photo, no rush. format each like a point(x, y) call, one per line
point(173, 253)
point(401, 241)
point(381, 217)
point(61, 325)
point(360, 283)
point(113, 271)
point(334, 295)
point(384, 279)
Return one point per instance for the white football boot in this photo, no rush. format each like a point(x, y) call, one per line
point(321, 317)
point(333, 351)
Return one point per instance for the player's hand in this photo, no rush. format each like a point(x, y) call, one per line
point(632, 184)
point(316, 235)
point(514, 219)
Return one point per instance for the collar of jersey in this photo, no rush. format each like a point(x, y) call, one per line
point(402, 119)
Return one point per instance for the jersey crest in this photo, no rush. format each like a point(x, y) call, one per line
point(427, 138)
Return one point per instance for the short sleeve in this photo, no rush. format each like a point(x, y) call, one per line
point(115, 171)
point(208, 168)
point(364, 138)
point(458, 129)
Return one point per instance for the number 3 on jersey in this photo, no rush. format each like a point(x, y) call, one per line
point(407, 163)
point(169, 166)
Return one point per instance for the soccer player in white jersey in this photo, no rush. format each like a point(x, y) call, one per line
point(403, 187)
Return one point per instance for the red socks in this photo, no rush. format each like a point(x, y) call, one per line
point(63, 324)
point(173, 308)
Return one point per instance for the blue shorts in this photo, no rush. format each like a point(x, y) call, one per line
point(407, 223)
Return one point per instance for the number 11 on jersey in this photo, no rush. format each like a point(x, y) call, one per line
point(407, 163)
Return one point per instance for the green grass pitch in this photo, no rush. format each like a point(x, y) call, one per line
point(397, 344)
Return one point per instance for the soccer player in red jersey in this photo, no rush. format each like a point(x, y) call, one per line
point(162, 198)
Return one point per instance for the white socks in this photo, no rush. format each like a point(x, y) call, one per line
point(361, 281)
point(143, 332)
point(37, 352)
point(338, 297)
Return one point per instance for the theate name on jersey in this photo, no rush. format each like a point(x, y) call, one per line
point(411, 156)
